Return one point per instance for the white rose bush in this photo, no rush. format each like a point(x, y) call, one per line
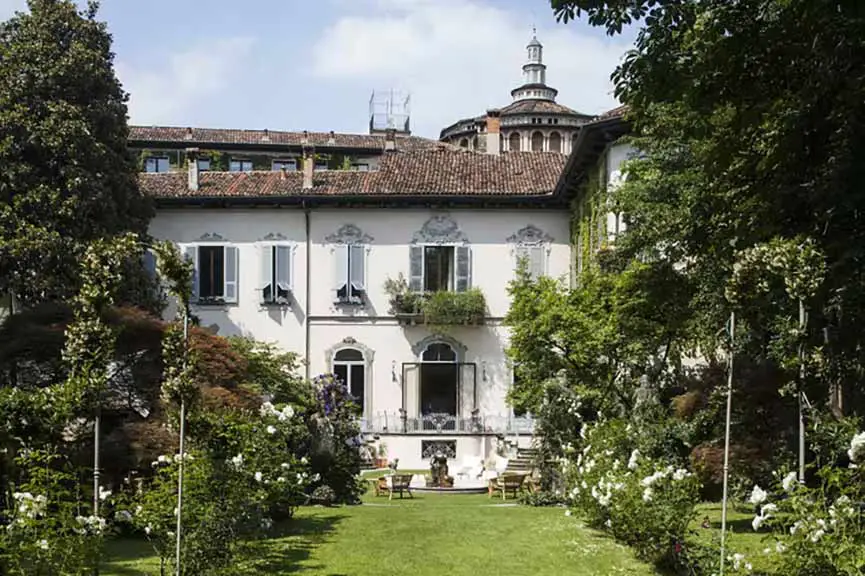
point(817, 528)
point(49, 530)
point(237, 485)
point(642, 502)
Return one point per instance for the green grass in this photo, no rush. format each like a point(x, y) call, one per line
point(741, 537)
point(429, 535)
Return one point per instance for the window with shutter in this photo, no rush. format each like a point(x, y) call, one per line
point(215, 273)
point(350, 273)
point(276, 273)
point(534, 257)
point(190, 253)
point(463, 268)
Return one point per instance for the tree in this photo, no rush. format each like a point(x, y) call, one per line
point(611, 334)
point(752, 125)
point(67, 177)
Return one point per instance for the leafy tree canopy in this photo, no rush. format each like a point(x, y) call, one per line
point(67, 177)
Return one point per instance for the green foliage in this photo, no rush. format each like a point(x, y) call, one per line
point(817, 529)
point(67, 177)
point(640, 501)
point(50, 530)
point(236, 483)
point(605, 334)
point(444, 308)
point(336, 440)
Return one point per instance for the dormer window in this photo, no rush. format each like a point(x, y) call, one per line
point(157, 164)
point(238, 165)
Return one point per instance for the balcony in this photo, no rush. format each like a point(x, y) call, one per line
point(446, 424)
point(443, 308)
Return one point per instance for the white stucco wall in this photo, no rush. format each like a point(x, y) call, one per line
point(389, 232)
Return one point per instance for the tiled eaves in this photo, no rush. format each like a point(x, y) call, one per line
point(408, 174)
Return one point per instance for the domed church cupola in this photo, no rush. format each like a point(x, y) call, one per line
point(534, 75)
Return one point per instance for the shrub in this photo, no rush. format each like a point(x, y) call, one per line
point(323, 495)
point(819, 529)
point(640, 501)
point(336, 440)
point(50, 529)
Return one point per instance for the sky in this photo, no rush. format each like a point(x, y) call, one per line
point(313, 64)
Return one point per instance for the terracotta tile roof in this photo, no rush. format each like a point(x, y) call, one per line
point(439, 172)
point(617, 112)
point(538, 107)
point(201, 136)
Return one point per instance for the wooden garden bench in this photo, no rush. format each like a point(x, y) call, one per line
point(507, 483)
point(400, 483)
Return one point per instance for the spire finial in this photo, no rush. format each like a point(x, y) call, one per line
point(534, 30)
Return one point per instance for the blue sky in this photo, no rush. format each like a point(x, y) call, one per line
point(312, 64)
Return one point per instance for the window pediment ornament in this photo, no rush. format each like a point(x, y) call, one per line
point(348, 342)
point(348, 234)
point(529, 235)
point(211, 237)
point(440, 229)
point(275, 237)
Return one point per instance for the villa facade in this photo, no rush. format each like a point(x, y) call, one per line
point(384, 259)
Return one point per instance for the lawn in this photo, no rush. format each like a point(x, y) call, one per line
point(741, 537)
point(429, 535)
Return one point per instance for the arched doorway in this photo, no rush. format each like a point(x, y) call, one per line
point(439, 386)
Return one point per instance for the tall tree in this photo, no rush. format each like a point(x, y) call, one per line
point(67, 177)
point(751, 117)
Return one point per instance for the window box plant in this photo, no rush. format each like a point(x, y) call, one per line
point(443, 308)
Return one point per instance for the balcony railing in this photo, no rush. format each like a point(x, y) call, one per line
point(394, 423)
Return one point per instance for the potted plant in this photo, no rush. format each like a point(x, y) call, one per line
point(381, 461)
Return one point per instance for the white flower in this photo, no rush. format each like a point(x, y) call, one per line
point(633, 462)
point(680, 474)
point(286, 414)
point(647, 494)
point(737, 560)
point(567, 512)
point(43, 544)
point(271, 429)
point(779, 547)
point(758, 496)
point(284, 465)
point(281, 479)
point(237, 461)
point(316, 477)
point(147, 530)
point(103, 493)
point(789, 482)
point(138, 509)
point(757, 522)
point(608, 523)
point(267, 409)
point(857, 448)
point(163, 459)
point(258, 476)
point(817, 534)
point(748, 566)
point(795, 527)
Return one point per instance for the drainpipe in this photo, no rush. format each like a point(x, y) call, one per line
point(306, 216)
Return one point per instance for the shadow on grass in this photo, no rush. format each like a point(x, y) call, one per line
point(292, 544)
point(127, 550)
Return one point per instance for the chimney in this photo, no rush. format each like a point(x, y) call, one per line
point(192, 168)
point(494, 136)
point(308, 166)
point(266, 136)
point(390, 140)
point(331, 138)
point(305, 138)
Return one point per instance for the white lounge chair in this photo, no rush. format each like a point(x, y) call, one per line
point(472, 467)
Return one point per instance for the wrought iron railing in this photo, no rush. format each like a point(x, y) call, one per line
point(397, 423)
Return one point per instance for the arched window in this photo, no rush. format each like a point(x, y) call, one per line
point(464, 143)
point(439, 352)
point(537, 142)
point(555, 142)
point(514, 142)
point(349, 366)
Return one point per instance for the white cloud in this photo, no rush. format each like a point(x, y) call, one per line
point(167, 91)
point(460, 57)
